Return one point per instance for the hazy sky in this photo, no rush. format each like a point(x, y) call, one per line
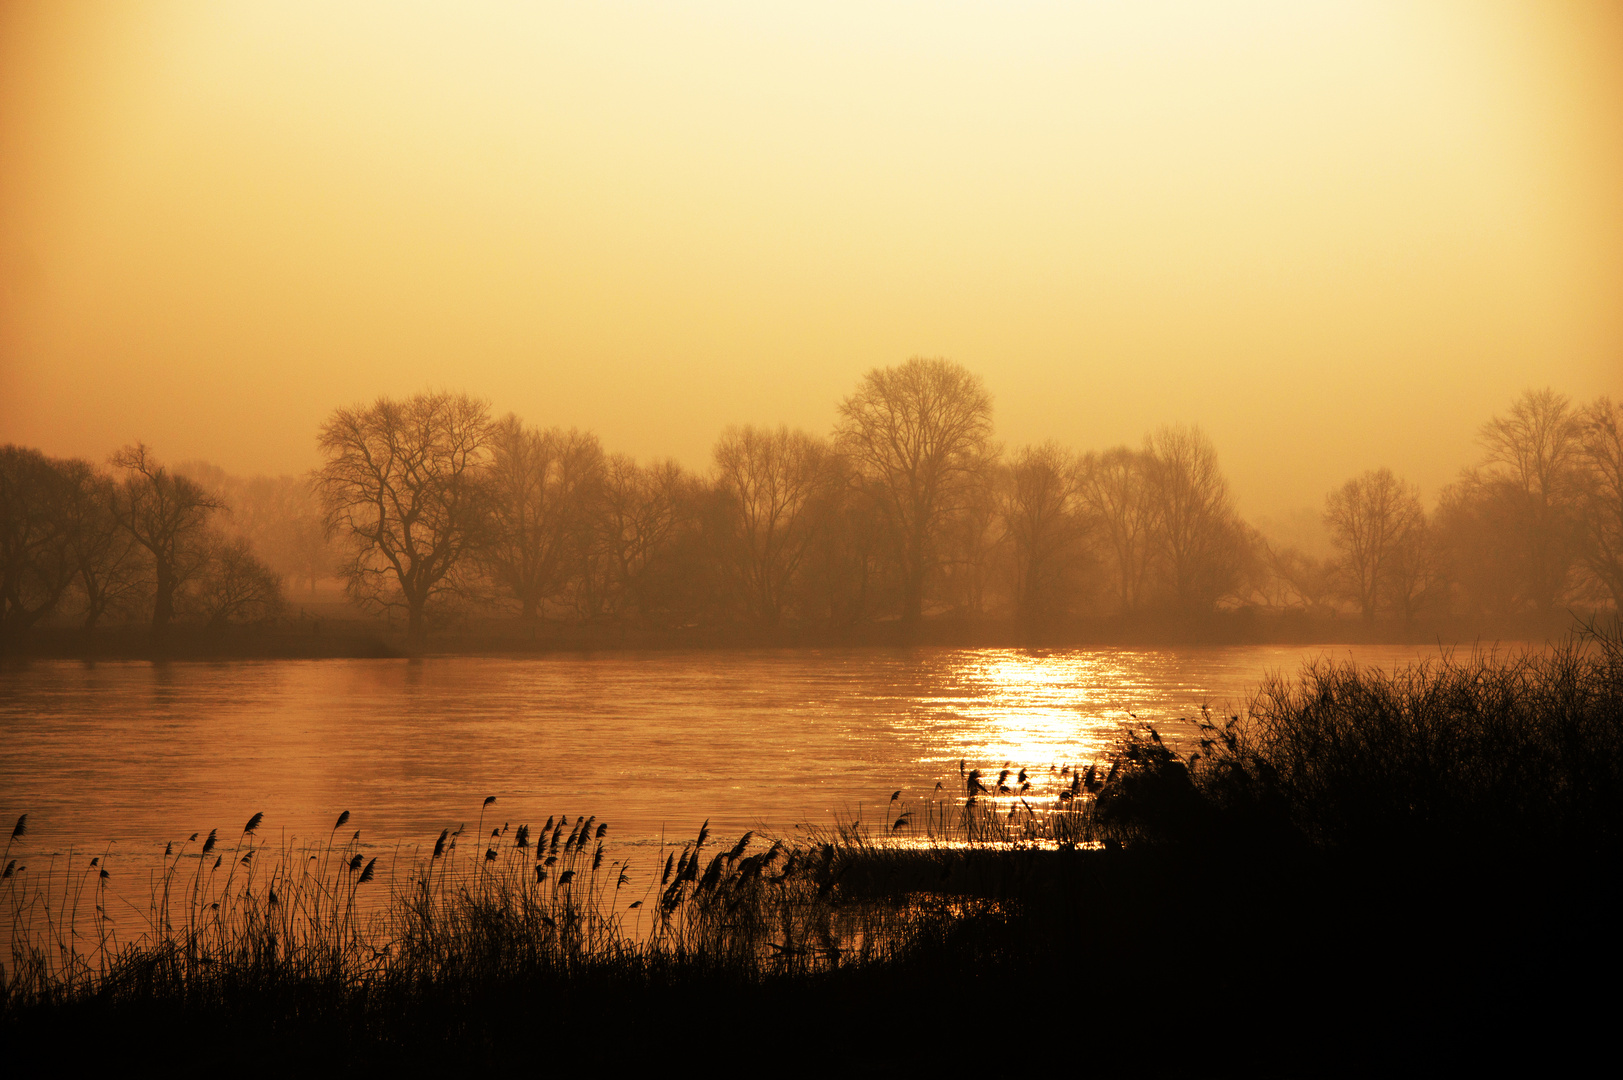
point(1336, 235)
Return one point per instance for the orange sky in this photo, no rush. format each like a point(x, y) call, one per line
point(1337, 236)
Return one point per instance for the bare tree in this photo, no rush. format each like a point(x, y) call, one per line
point(168, 515)
point(36, 537)
point(639, 513)
point(1296, 579)
point(541, 486)
point(1375, 521)
point(920, 432)
point(280, 516)
point(112, 570)
point(771, 483)
point(1601, 444)
point(1195, 534)
point(1412, 582)
point(847, 575)
point(973, 543)
point(236, 586)
point(1042, 519)
point(403, 488)
point(1532, 467)
point(1115, 492)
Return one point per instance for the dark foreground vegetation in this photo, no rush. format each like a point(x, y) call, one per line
point(444, 525)
point(1399, 869)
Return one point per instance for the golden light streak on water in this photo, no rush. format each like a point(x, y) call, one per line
point(114, 760)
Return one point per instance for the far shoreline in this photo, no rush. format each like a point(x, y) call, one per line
point(358, 638)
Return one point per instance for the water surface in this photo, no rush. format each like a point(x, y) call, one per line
point(118, 758)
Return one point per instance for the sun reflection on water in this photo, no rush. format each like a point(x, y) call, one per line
point(1042, 711)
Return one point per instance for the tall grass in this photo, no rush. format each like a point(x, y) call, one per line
point(1463, 756)
point(1307, 854)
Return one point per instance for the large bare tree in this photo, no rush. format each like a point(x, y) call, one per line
point(542, 486)
point(404, 487)
point(921, 432)
point(1198, 539)
point(112, 567)
point(1601, 440)
point(36, 536)
point(168, 515)
point(772, 483)
point(639, 514)
point(1377, 524)
point(1042, 519)
point(1532, 468)
point(1114, 489)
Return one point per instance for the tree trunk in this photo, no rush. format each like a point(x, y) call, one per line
point(163, 601)
point(416, 627)
point(913, 595)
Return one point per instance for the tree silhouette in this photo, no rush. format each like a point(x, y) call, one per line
point(543, 486)
point(36, 536)
point(1197, 537)
point(112, 567)
point(404, 488)
point(1041, 516)
point(1114, 489)
point(920, 432)
point(771, 483)
point(1601, 442)
point(168, 515)
point(1376, 523)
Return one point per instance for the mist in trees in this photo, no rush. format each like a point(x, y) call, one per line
point(36, 547)
point(432, 512)
point(1378, 527)
point(920, 435)
point(139, 542)
point(1048, 528)
point(405, 491)
point(544, 486)
point(776, 490)
point(1600, 514)
point(168, 515)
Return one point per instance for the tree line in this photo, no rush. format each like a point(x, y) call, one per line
point(140, 540)
point(432, 507)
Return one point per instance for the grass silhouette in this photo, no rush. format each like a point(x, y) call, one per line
point(1366, 855)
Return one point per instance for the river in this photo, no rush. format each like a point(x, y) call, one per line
point(117, 759)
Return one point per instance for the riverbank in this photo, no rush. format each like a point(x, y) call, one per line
point(346, 636)
point(1376, 866)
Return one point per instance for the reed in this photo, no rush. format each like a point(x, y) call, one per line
point(1336, 856)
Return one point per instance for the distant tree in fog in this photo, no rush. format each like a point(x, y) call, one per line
point(1377, 525)
point(1510, 527)
point(235, 586)
point(1413, 583)
point(1043, 520)
point(36, 536)
point(920, 432)
point(1532, 462)
point(1296, 579)
point(280, 517)
point(1114, 490)
point(404, 487)
point(848, 573)
point(1198, 540)
point(973, 545)
point(641, 513)
point(543, 488)
point(113, 568)
point(168, 515)
point(1601, 461)
point(773, 484)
